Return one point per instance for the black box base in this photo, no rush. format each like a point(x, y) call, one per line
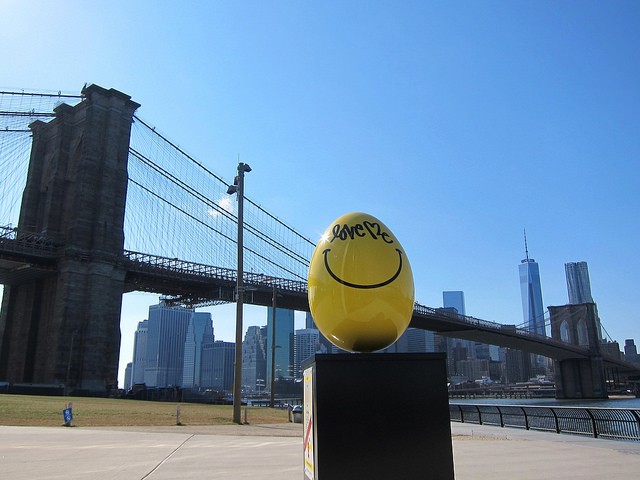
point(378, 416)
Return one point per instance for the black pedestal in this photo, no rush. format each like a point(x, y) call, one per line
point(377, 416)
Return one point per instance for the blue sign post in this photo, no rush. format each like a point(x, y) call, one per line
point(67, 414)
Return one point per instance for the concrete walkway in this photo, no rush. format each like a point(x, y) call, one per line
point(274, 452)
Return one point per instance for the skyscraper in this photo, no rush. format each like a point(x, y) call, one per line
point(630, 351)
point(531, 294)
point(578, 284)
point(517, 365)
point(325, 345)
point(454, 299)
point(579, 287)
point(307, 342)
point(254, 358)
point(532, 307)
point(139, 353)
point(199, 333)
point(217, 365)
point(127, 376)
point(283, 343)
point(308, 321)
point(419, 341)
point(457, 349)
point(167, 332)
point(413, 340)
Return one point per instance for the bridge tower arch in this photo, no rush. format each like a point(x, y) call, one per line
point(64, 328)
point(576, 378)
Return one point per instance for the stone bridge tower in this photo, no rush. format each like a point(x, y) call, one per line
point(65, 328)
point(579, 377)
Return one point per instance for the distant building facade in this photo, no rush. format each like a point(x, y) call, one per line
point(307, 343)
point(308, 321)
point(630, 351)
point(517, 366)
point(579, 287)
point(127, 376)
point(532, 306)
point(167, 332)
point(457, 349)
point(199, 334)
point(413, 340)
point(325, 345)
point(419, 341)
point(474, 369)
point(284, 332)
point(578, 283)
point(254, 359)
point(531, 295)
point(454, 299)
point(217, 365)
point(139, 353)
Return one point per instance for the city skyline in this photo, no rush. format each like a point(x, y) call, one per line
point(208, 363)
point(456, 299)
point(457, 125)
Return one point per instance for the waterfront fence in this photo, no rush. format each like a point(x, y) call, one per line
point(613, 423)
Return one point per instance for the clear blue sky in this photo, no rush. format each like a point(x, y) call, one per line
point(458, 124)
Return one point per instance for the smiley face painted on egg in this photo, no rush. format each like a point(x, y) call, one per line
point(360, 284)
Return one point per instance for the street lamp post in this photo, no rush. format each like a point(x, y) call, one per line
point(238, 187)
point(273, 349)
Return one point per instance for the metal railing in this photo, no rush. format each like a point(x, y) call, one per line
point(165, 265)
point(478, 322)
point(27, 243)
point(613, 423)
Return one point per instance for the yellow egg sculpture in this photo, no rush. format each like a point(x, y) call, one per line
point(360, 284)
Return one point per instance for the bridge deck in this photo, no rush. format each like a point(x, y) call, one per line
point(24, 257)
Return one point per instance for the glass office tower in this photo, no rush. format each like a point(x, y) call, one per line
point(457, 349)
point(532, 306)
point(579, 287)
point(531, 293)
point(578, 284)
point(283, 343)
point(454, 299)
point(167, 332)
point(217, 365)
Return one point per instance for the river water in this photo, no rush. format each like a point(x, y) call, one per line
point(622, 402)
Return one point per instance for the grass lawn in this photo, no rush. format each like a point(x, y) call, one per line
point(30, 410)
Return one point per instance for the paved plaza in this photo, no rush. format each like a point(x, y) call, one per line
point(274, 452)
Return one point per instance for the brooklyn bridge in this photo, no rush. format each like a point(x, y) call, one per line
point(94, 203)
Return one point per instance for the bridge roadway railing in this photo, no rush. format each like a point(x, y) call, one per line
point(182, 267)
point(611, 423)
point(23, 242)
point(477, 322)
